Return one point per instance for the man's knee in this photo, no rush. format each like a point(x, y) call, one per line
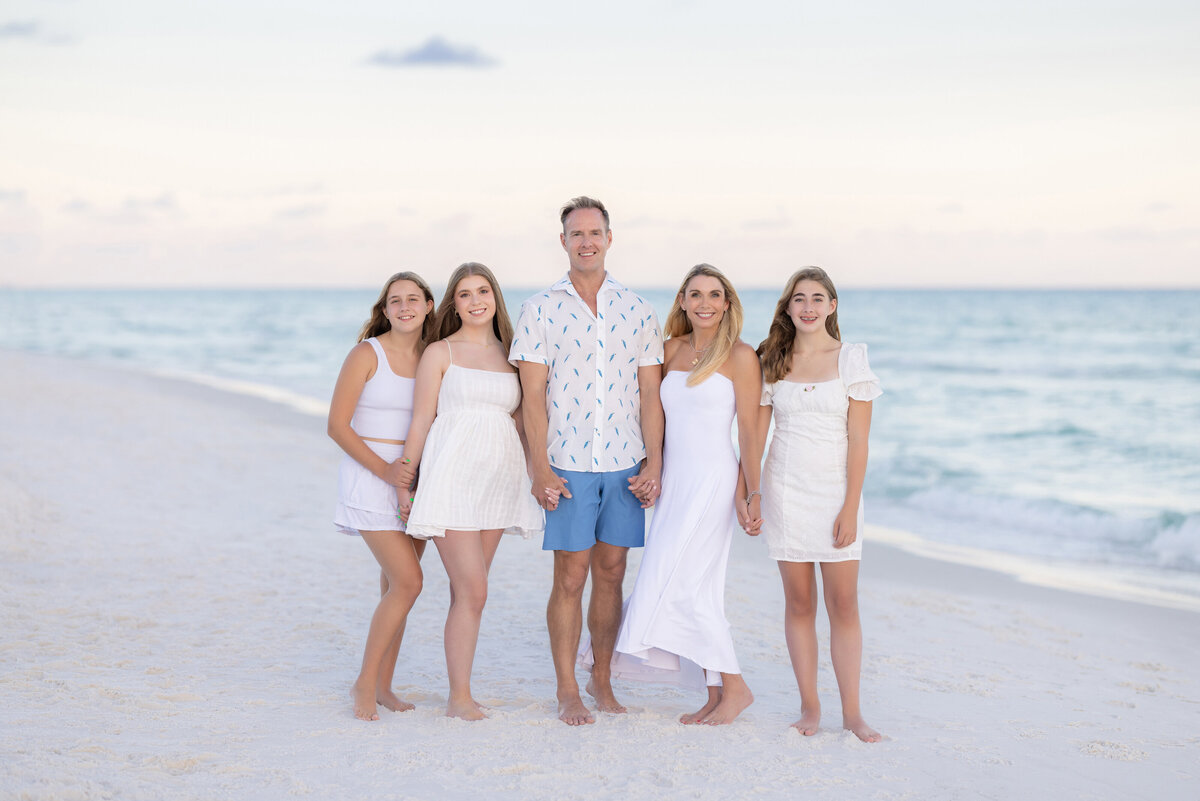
point(608, 564)
point(570, 573)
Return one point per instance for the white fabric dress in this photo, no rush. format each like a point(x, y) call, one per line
point(473, 475)
point(674, 627)
point(804, 478)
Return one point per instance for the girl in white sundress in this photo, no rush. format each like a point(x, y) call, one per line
point(369, 417)
point(820, 392)
point(474, 484)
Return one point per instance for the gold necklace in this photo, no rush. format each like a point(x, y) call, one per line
point(699, 353)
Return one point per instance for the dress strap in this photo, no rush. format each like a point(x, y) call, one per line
point(449, 350)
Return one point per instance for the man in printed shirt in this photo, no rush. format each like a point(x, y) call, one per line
point(589, 353)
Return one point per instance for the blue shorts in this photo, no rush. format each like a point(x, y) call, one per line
point(601, 509)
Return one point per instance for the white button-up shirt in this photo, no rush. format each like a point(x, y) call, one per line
point(592, 394)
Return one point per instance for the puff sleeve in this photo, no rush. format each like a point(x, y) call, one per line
point(861, 383)
point(768, 395)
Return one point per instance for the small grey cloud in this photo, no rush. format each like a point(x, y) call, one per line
point(436, 52)
point(13, 197)
point(32, 31)
point(19, 29)
point(1159, 206)
point(77, 206)
point(780, 220)
point(951, 208)
point(304, 211)
point(132, 210)
point(163, 203)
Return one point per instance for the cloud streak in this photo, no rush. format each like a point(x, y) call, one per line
point(19, 29)
point(436, 52)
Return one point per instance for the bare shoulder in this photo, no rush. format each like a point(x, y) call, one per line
point(670, 347)
point(362, 357)
point(437, 354)
point(744, 357)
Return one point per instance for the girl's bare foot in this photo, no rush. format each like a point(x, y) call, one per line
point(466, 710)
point(714, 698)
point(364, 702)
point(809, 722)
point(389, 700)
point(861, 730)
point(734, 700)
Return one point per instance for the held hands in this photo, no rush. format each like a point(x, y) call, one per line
point(646, 486)
point(400, 473)
point(845, 528)
point(547, 488)
point(405, 504)
point(750, 514)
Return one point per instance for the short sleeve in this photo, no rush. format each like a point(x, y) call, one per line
point(652, 341)
point(861, 383)
point(529, 336)
point(768, 395)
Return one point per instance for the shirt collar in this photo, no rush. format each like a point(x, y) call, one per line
point(610, 285)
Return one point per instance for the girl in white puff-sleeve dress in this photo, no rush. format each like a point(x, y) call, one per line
point(819, 391)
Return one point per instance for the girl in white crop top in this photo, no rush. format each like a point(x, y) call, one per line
point(369, 417)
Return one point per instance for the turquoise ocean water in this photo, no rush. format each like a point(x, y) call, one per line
point(1061, 426)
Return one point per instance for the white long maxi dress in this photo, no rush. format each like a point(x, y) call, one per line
point(674, 627)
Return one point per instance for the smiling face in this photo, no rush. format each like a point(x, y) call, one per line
point(474, 300)
point(586, 238)
point(703, 301)
point(406, 307)
point(809, 306)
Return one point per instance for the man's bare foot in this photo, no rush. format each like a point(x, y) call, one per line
point(733, 701)
point(389, 700)
point(861, 730)
point(714, 698)
point(605, 700)
point(809, 722)
point(465, 710)
point(572, 712)
point(364, 702)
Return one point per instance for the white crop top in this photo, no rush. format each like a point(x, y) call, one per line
point(385, 406)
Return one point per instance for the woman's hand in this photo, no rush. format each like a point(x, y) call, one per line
point(400, 474)
point(405, 503)
point(845, 528)
point(750, 514)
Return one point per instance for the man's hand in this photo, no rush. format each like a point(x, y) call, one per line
point(548, 487)
point(646, 485)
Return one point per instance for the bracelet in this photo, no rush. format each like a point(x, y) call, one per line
point(750, 495)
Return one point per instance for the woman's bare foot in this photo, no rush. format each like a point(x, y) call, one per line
point(861, 730)
point(734, 699)
point(605, 700)
point(389, 700)
point(714, 698)
point(364, 702)
point(809, 722)
point(466, 709)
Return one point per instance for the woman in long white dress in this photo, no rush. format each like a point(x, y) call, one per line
point(674, 628)
point(819, 390)
point(466, 437)
point(369, 417)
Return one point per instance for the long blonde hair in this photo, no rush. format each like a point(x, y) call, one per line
point(378, 323)
point(775, 352)
point(728, 331)
point(448, 322)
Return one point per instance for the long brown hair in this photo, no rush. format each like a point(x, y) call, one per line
point(378, 323)
point(728, 331)
point(448, 321)
point(775, 352)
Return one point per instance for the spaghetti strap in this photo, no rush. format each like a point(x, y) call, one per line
point(449, 350)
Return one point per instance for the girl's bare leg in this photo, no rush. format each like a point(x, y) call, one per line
point(467, 556)
point(384, 695)
point(402, 571)
point(800, 630)
point(845, 642)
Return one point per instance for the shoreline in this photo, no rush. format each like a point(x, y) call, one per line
point(183, 620)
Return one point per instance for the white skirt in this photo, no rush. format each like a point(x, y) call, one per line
point(365, 501)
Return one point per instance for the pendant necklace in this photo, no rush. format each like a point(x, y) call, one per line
point(699, 352)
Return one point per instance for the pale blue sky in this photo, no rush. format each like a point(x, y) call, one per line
point(896, 144)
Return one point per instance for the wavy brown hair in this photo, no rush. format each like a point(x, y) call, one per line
point(378, 323)
point(775, 352)
point(728, 331)
point(448, 321)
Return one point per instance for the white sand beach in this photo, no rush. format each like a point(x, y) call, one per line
point(180, 620)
